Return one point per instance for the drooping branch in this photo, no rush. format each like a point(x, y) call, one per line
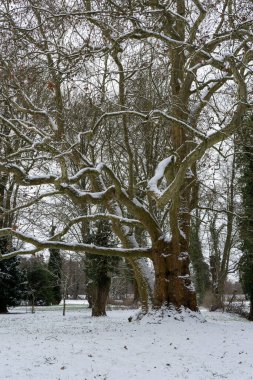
point(41, 245)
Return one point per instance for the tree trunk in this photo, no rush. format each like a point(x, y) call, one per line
point(200, 268)
point(171, 260)
point(102, 289)
point(251, 310)
point(217, 283)
point(143, 284)
point(172, 278)
point(3, 309)
point(64, 306)
point(217, 297)
point(216, 302)
point(90, 294)
point(136, 293)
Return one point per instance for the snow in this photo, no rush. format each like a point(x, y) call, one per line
point(46, 345)
point(159, 173)
point(167, 237)
point(82, 172)
point(75, 302)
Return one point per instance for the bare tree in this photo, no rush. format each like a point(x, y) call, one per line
point(87, 50)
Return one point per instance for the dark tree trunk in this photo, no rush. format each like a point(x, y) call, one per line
point(217, 298)
point(102, 289)
point(3, 309)
point(89, 299)
point(251, 310)
point(217, 284)
point(90, 294)
point(200, 268)
point(136, 293)
point(172, 278)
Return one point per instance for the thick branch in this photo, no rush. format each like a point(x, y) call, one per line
point(73, 247)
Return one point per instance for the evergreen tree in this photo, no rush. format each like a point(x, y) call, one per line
point(12, 280)
point(40, 290)
point(99, 269)
point(245, 161)
point(200, 267)
point(55, 269)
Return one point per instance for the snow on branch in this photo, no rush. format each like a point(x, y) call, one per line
point(5, 212)
point(86, 196)
point(118, 113)
point(133, 205)
point(16, 129)
point(141, 33)
point(95, 217)
point(159, 173)
point(181, 122)
point(40, 245)
point(210, 140)
point(24, 179)
point(79, 175)
point(199, 151)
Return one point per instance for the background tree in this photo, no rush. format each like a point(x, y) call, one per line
point(218, 205)
point(123, 285)
point(39, 285)
point(12, 280)
point(201, 270)
point(99, 269)
point(245, 165)
point(55, 269)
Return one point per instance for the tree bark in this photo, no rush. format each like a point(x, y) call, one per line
point(136, 293)
point(90, 294)
point(217, 302)
point(102, 289)
point(172, 278)
point(251, 310)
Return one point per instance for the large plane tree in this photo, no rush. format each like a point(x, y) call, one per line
point(125, 97)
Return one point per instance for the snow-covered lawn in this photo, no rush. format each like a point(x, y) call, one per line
point(48, 346)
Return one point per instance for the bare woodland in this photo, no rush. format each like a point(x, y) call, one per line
point(107, 111)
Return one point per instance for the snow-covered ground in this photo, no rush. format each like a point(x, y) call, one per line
point(48, 346)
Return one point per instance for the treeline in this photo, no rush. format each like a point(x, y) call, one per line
point(36, 281)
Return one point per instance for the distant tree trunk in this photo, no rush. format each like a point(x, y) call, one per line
point(3, 300)
point(217, 289)
point(219, 260)
point(90, 293)
point(3, 309)
point(200, 268)
point(251, 309)
point(218, 277)
point(217, 299)
point(76, 287)
point(89, 299)
point(64, 306)
point(136, 293)
point(64, 296)
point(101, 293)
point(55, 268)
point(33, 303)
